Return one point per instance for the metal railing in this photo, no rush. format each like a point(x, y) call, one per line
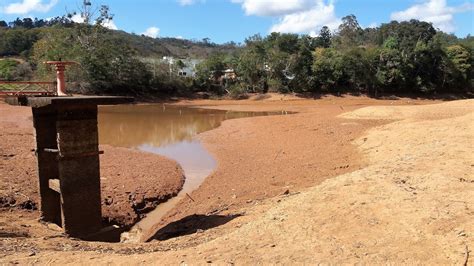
point(20, 88)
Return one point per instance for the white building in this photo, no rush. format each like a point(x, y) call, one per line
point(189, 69)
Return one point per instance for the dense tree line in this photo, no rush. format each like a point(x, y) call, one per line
point(397, 57)
point(29, 23)
point(110, 62)
point(18, 37)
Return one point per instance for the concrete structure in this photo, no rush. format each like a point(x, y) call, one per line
point(60, 79)
point(68, 159)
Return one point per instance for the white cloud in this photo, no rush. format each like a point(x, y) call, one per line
point(179, 37)
point(152, 32)
point(434, 11)
point(274, 7)
point(294, 16)
point(110, 24)
point(27, 6)
point(308, 21)
point(77, 18)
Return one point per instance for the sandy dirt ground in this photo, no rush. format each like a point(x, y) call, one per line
point(335, 183)
point(132, 182)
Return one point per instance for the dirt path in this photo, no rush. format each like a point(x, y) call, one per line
point(271, 199)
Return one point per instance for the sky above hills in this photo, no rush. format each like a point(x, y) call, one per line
point(234, 20)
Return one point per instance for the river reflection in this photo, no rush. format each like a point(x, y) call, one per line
point(158, 125)
point(168, 131)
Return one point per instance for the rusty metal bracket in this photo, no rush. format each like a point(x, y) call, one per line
point(70, 156)
point(79, 155)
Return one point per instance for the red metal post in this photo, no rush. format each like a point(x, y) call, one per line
point(61, 83)
point(60, 68)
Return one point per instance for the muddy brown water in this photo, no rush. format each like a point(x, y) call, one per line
point(168, 131)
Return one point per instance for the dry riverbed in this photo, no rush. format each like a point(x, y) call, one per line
point(333, 183)
point(132, 182)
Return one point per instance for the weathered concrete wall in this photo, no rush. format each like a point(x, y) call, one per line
point(44, 120)
point(79, 172)
point(72, 131)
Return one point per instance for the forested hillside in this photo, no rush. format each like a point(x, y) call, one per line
point(396, 57)
point(18, 37)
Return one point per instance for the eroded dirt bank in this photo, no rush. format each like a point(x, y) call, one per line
point(406, 200)
point(132, 182)
point(262, 157)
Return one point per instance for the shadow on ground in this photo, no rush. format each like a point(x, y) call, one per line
point(191, 224)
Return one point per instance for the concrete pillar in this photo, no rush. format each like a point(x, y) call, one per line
point(78, 167)
point(67, 142)
point(67, 149)
point(44, 121)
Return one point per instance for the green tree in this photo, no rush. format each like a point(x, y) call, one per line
point(301, 73)
point(427, 66)
point(390, 71)
point(328, 70)
point(7, 68)
point(350, 31)
point(359, 69)
point(209, 73)
point(325, 37)
point(407, 34)
point(459, 67)
point(17, 42)
point(391, 43)
point(253, 68)
point(461, 58)
point(56, 44)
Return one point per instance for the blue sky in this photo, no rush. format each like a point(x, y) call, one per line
point(234, 20)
